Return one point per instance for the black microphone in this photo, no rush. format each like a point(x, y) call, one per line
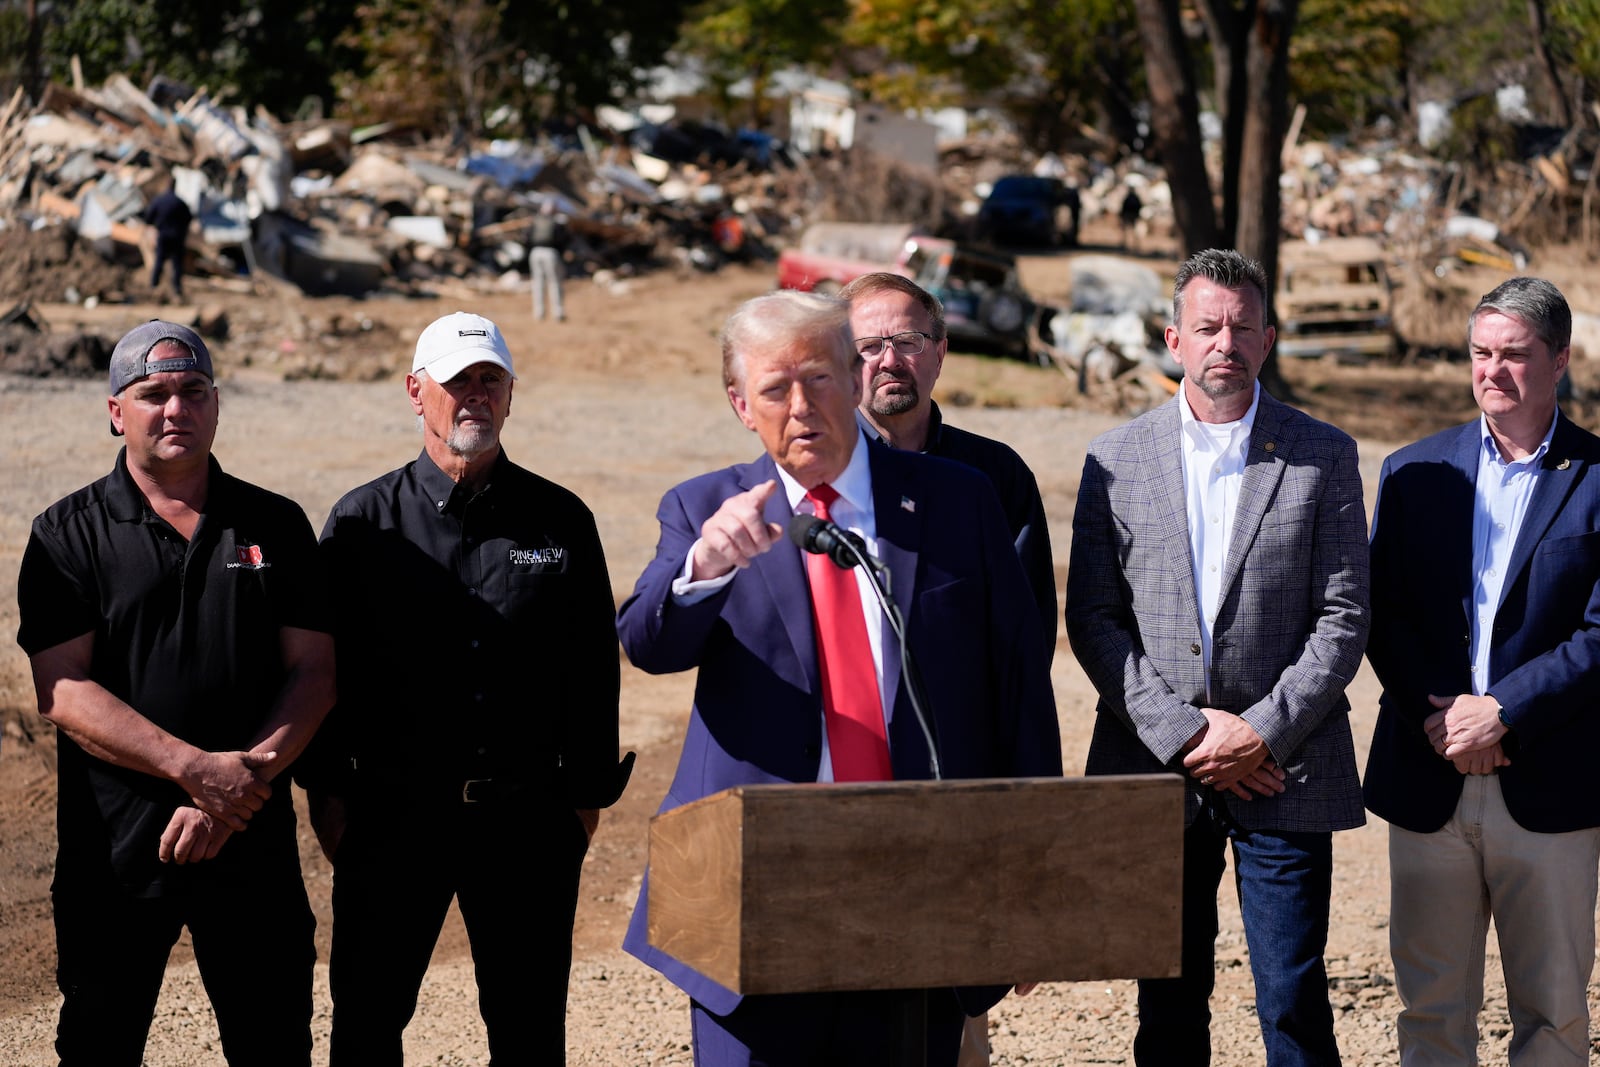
point(821, 537)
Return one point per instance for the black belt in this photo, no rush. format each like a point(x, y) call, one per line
point(414, 784)
point(489, 790)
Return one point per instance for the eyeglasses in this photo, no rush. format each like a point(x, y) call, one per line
point(909, 343)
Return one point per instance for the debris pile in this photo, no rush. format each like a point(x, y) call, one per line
point(318, 207)
point(329, 209)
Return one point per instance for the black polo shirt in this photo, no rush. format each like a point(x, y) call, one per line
point(476, 640)
point(187, 633)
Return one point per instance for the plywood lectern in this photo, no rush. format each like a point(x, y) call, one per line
point(895, 885)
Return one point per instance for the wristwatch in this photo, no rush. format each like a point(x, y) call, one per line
point(1500, 713)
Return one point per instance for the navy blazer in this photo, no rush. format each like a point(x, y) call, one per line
point(757, 713)
point(1545, 649)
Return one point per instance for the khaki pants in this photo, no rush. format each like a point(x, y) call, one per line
point(1540, 890)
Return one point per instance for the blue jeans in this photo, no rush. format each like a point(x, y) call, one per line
point(1284, 881)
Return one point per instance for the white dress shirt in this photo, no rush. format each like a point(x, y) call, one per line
point(1213, 471)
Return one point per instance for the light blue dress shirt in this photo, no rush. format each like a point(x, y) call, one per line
point(1499, 506)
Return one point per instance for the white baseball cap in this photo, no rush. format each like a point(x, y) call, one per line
point(452, 344)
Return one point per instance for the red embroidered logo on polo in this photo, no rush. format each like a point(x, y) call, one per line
point(250, 557)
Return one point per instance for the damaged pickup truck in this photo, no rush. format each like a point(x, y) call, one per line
point(985, 304)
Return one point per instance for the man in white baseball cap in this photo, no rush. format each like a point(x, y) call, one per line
point(455, 342)
point(479, 726)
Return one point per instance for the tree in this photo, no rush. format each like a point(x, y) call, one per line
point(232, 46)
point(1348, 64)
point(1056, 65)
point(442, 65)
point(1249, 51)
point(427, 65)
point(575, 54)
point(755, 39)
point(1575, 31)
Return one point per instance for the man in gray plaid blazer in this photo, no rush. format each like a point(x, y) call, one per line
point(1217, 598)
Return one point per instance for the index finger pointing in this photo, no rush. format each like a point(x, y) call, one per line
point(763, 492)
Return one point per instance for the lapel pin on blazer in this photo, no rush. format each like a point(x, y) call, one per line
point(909, 505)
point(1563, 465)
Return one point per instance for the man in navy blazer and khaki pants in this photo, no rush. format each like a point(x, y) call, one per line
point(728, 594)
point(1217, 599)
point(1486, 637)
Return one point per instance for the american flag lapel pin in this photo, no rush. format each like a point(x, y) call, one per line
point(908, 505)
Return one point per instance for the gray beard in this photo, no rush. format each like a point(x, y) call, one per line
point(1229, 389)
point(895, 403)
point(470, 442)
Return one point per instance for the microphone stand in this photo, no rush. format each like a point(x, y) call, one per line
point(908, 1008)
point(879, 578)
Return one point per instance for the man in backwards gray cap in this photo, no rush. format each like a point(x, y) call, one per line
point(175, 621)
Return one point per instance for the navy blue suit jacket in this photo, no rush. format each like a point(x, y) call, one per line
point(1545, 652)
point(757, 713)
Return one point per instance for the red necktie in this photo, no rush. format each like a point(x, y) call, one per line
point(851, 706)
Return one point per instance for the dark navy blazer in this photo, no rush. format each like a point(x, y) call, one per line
point(757, 713)
point(1545, 649)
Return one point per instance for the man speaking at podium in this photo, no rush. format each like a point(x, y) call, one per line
point(799, 675)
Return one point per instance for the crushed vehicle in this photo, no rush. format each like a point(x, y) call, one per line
point(831, 255)
point(1030, 209)
point(1334, 299)
point(985, 304)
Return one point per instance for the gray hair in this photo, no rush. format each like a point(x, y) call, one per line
point(783, 317)
point(1224, 267)
point(1534, 301)
point(883, 281)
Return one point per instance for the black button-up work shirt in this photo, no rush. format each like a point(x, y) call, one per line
point(1019, 496)
point(475, 640)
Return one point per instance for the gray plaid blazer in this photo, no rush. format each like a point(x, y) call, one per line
point(1290, 629)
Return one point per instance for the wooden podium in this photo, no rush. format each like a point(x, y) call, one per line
point(897, 885)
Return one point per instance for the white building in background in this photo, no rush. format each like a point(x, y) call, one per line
point(822, 114)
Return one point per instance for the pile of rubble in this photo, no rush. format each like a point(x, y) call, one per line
point(333, 210)
point(1438, 214)
point(322, 208)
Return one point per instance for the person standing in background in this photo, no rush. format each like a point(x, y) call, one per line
point(547, 239)
point(170, 217)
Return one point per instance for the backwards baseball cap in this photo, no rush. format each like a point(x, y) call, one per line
point(452, 344)
point(130, 360)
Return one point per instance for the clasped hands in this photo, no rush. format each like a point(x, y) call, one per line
point(1228, 755)
point(226, 788)
point(1467, 731)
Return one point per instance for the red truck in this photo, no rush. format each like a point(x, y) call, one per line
point(833, 254)
point(985, 304)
